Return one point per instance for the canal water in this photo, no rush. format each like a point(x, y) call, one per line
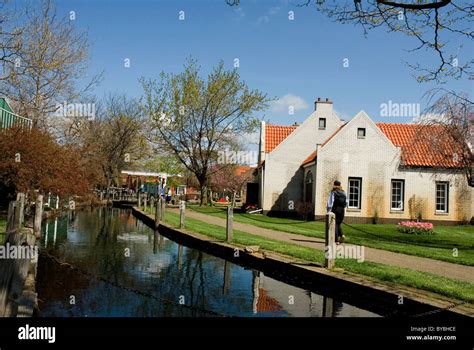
point(103, 262)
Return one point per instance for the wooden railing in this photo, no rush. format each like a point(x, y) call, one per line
point(9, 119)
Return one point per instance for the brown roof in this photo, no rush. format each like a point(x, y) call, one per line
point(275, 134)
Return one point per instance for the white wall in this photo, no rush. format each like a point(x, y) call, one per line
point(283, 176)
point(376, 160)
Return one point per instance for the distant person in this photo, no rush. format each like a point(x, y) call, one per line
point(337, 203)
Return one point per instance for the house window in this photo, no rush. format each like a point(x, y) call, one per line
point(361, 133)
point(322, 123)
point(398, 195)
point(442, 195)
point(355, 189)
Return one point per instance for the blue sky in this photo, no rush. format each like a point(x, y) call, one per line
point(300, 59)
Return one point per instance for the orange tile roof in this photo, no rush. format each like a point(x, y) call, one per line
point(311, 158)
point(275, 134)
point(423, 145)
point(241, 169)
point(266, 303)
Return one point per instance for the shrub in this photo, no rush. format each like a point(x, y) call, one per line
point(417, 228)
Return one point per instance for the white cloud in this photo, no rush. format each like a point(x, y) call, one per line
point(239, 13)
point(272, 11)
point(283, 103)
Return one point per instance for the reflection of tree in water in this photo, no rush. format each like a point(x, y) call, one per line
point(153, 268)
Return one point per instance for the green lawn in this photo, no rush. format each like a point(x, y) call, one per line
point(439, 246)
point(389, 274)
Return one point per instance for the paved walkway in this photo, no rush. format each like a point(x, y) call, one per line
point(437, 267)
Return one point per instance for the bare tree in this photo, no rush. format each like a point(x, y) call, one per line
point(447, 126)
point(51, 61)
point(115, 136)
point(426, 21)
point(10, 39)
point(194, 119)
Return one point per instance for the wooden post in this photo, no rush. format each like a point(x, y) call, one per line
point(144, 201)
point(158, 212)
point(227, 273)
point(182, 208)
point(57, 202)
point(330, 241)
point(155, 242)
point(180, 256)
point(152, 202)
point(139, 200)
point(19, 210)
point(228, 228)
point(162, 211)
point(11, 216)
point(38, 215)
point(328, 307)
point(101, 196)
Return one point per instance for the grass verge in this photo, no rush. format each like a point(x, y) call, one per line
point(388, 274)
point(454, 244)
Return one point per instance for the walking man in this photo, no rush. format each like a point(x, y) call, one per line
point(337, 203)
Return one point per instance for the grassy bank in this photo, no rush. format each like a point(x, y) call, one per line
point(388, 274)
point(439, 246)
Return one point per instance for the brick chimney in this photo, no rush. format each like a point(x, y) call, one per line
point(322, 104)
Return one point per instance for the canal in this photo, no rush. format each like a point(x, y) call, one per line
point(103, 262)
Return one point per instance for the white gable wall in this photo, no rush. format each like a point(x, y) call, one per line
point(376, 160)
point(283, 176)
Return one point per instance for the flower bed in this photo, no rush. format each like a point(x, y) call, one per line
point(417, 228)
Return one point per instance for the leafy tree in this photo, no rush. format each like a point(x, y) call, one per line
point(195, 118)
point(33, 160)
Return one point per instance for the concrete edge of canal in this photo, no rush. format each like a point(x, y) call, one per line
point(370, 294)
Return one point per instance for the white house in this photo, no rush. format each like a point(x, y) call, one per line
point(388, 176)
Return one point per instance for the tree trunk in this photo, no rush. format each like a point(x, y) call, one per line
point(233, 199)
point(203, 188)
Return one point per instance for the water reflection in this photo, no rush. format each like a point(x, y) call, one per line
point(126, 269)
